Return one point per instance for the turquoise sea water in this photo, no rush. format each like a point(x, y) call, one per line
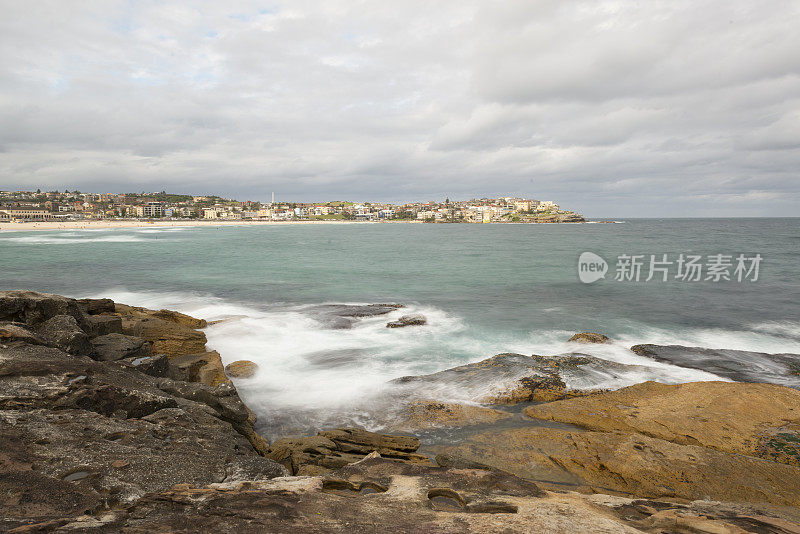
point(484, 288)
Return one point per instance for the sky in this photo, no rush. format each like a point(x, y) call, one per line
point(675, 108)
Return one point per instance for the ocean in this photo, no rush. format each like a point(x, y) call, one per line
point(484, 289)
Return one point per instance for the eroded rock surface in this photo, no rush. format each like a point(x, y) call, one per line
point(630, 464)
point(81, 434)
point(752, 419)
point(332, 449)
point(378, 495)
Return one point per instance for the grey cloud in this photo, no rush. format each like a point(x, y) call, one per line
point(610, 108)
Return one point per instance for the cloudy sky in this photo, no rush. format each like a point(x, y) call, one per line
point(609, 108)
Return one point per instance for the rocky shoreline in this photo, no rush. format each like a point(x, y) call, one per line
point(118, 419)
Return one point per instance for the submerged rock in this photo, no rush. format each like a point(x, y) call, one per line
point(343, 316)
point(408, 320)
point(589, 337)
point(512, 378)
point(428, 414)
point(241, 369)
point(738, 365)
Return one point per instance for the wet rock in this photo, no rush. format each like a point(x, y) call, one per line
point(332, 449)
point(731, 417)
point(241, 369)
point(112, 347)
point(96, 306)
point(63, 331)
point(738, 365)
point(428, 414)
point(205, 368)
point(589, 337)
point(408, 320)
point(512, 378)
point(343, 316)
point(336, 358)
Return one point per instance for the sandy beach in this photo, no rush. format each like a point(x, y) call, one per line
point(134, 223)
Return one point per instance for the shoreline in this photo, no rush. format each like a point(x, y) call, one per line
point(133, 423)
point(141, 223)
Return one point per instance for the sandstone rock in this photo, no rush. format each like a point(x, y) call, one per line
point(408, 320)
point(589, 337)
point(63, 331)
point(378, 495)
point(332, 449)
point(738, 365)
point(112, 347)
point(168, 338)
point(752, 419)
point(179, 318)
point(631, 464)
point(241, 369)
point(205, 368)
point(427, 414)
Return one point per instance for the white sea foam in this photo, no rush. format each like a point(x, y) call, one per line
point(310, 376)
point(72, 238)
point(160, 230)
point(786, 329)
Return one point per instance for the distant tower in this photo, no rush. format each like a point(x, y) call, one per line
point(273, 198)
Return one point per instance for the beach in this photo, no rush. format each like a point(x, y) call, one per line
point(138, 223)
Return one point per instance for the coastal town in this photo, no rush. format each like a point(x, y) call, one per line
point(24, 206)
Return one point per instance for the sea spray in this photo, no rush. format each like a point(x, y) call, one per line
point(311, 377)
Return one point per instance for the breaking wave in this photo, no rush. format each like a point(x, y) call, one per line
point(312, 377)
